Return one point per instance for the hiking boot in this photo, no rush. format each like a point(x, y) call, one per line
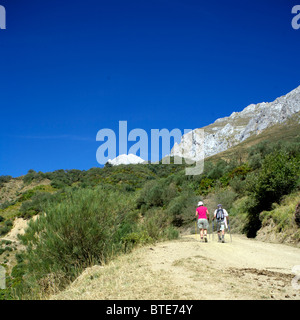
point(205, 239)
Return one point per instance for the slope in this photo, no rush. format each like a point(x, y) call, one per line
point(285, 132)
point(189, 269)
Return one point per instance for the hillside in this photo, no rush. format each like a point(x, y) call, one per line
point(55, 225)
point(284, 132)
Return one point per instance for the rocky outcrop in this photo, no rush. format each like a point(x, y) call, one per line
point(227, 132)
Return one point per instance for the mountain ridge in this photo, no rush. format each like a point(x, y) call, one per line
point(229, 131)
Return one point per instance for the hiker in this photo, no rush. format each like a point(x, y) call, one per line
point(203, 215)
point(221, 215)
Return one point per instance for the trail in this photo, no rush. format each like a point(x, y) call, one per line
point(241, 269)
point(189, 269)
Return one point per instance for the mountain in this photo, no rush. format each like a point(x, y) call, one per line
point(126, 159)
point(230, 131)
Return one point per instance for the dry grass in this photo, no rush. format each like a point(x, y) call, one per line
point(278, 225)
point(126, 278)
point(286, 131)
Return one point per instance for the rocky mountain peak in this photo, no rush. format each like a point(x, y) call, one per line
point(227, 132)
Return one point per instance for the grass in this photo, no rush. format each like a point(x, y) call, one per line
point(125, 278)
point(287, 131)
point(10, 212)
point(282, 218)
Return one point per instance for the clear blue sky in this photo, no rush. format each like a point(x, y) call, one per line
point(71, 68)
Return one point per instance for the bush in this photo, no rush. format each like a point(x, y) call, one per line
point(169, 192)
point(156, 220)
point(4, 230)
point(277, 177)
point(156, 193)
point(238, 185)
point(218, 170)
point(206, 186)
point(171, 233)
point(80, 231)
point(33, 175)
point(154, 197)
point(38, 202)
point(134, 238)
point(7, 204)
point(143, 197)
point(182, 208)
point(226, 198)
point(4, 179)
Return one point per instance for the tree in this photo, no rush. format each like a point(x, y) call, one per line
point(277, 177)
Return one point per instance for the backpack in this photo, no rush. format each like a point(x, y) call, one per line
point(220, 215)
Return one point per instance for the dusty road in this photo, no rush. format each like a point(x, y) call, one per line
point(241, 269)
point(189, 269)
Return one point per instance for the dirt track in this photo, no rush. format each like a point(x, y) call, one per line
point(189, 269)
point(241, 269)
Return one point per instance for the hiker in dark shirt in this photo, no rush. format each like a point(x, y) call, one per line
point(221, 215)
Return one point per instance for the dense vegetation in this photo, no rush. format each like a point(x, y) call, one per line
point(88, 217)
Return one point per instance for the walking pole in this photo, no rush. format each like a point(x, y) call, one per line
point(212, 230)
point(229, 231)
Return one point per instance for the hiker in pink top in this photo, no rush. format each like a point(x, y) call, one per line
point(202, 215)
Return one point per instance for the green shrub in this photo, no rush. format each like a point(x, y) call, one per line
point(6, 227)
point(238, 185)
point(217, 170)
point(154, 197)
point(135, 238)
point(182, 208)
point(171, 233)
point(156, 193)
point(155, 222)
point(169, 192)
point(226, 197)
point(38, 202)
point(80, 231)
point(277, 177)
point(206, 186)
point(33, 175)
point(7, 204)
point(4, 179)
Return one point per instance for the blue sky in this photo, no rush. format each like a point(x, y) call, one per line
point(71, 68)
